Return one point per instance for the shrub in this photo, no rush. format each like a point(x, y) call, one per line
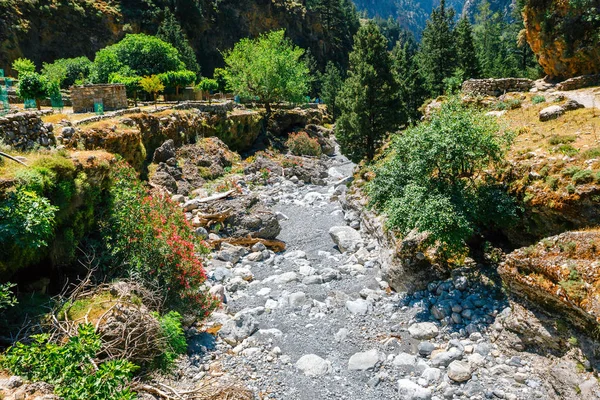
point(571, 189)
point(7, 299)
point(33, 86)
point(552, 182)
point(434, 179)
point(565, 139)
point(567, 150)
point(538, 99)
point(570, 171)
point(511, 104)
point(152, 85)
point(69, 71)
point(300, 144)
point(149, 239)
point(172, 331)
point(592, 153)
point(68, 367)
point(584, 176)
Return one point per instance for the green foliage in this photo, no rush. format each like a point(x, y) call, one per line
point(33, 86)
point(172, 331)
point(170, 31)
point(412, 91)
point(69, 369)
point(561, 139)
point(592, 153)
point(68, 71)
point(208, 85)
point(7, 299)
point(466, 55)
point(300, 144)
point(511, 104)
point(270, 68)
point(221, 76)
point(584, 176)
point(26, 220)
point(23, 66)
point(152, 85)
point(435, 181)
point(132, 83)
point(437, 53)
point(331, 84)
point(368, 97)
point(140, 54)
point(177, 79)
point(149, 239)
point(537, 99)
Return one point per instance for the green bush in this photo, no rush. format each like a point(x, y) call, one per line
point(7, 299)
point(300, 144)
point(69, 368)
point(23, 66)
point(149, 239)
point(172, 331)
point(69, 71)
point(570, 171)
point(434, 179)
point(564, 139)
point(511, 104)
point(177, 79)
point(538, 99)
point(584, 176)
point(33, 86)
point(592, 153)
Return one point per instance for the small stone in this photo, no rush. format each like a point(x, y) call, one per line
point(313, 280)
point(346, 238)
point(358, 306)
point(459, 371)
point(297, 299)
point(425, 348)
point(14, 382)
point(431, 376)
point(405, 363)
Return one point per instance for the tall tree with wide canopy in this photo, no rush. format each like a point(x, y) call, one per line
point(269, 68)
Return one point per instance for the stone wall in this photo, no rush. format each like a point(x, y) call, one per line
point(579, 82)
point(114, 97)
point(26, 130)
point(496, 87)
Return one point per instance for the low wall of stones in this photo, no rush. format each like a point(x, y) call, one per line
point(496, 87)
point(26, 130)
point(114, 97)
point(579, 82)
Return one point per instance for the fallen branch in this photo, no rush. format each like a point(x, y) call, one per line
point(276, 245)
point(214, 197)
point(13, 159)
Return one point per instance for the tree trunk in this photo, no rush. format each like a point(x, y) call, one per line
point(155, 106)
point(268, 109)
point(38, 104)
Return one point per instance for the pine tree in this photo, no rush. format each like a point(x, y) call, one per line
point(170, 31)
point(369, 96)
point(466, 55)
point(331, 84)
point(412, 92)
point(437, 56)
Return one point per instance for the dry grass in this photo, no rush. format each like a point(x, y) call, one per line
point(55, 118)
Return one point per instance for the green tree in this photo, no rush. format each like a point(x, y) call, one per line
point(220, 75)
point(23, 66)
point(170, 31)
point(412, 91)
point(331, 84)
point(369, 96)
point(466, 55)
point(209, 86)
point(131, 82)
point(142, 54)
point(437, 55)
point(33, 86)
point(177, 79)
point(152, 85)
point(68, 71)
point(436, 178)
point(270, 68)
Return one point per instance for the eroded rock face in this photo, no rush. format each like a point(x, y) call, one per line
point(564, 37)
point(561, 274)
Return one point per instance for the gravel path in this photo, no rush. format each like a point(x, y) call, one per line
point(315, 323)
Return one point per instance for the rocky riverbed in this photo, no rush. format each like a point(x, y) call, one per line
point(318, 322)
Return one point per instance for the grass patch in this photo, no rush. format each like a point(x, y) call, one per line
point(91, 307)
point(567, 150)
point(574, 286)
point(591, 153)
point(584, 176)
point(538, 99)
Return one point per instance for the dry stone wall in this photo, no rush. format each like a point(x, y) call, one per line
point(114, 97)
point(579, 82)
point(496, 87)
point(26, 130)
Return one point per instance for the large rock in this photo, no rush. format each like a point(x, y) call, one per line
point(358, 306)
point(560, 274)
point(238, 328)
point(165, 152)
point(313, 365)
point(551, 112)
point(408, 390)
point(346, 238)
point(423, 330)
point(365, 360)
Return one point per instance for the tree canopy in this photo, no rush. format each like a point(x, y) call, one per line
point(269, 68)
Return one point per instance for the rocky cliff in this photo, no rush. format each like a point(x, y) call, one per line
point(46, 30)
point(564, 35)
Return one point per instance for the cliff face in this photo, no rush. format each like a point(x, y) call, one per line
point(564, 35)
point(45, 30)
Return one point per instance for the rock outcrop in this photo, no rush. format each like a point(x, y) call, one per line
point(560, 274)
point(564, 36)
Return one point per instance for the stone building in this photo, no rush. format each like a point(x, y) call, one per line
point(112, 96)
